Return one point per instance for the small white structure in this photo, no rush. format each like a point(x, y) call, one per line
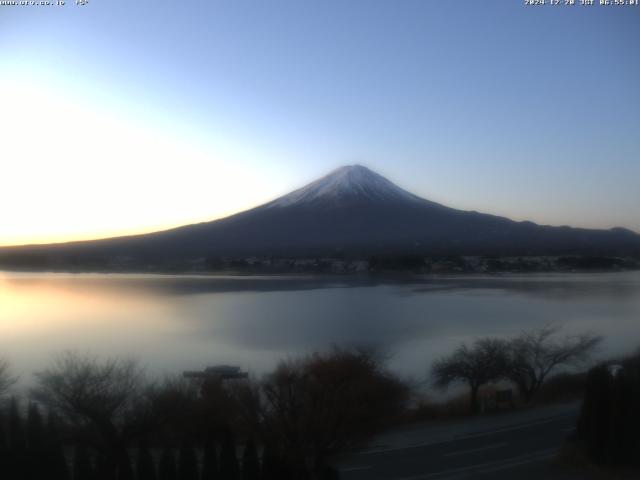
point(614, 370)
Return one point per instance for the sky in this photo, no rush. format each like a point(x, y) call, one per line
point(122, 117)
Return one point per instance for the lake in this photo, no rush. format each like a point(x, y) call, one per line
point(176, 323)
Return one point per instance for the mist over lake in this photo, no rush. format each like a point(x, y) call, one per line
point(175, 323)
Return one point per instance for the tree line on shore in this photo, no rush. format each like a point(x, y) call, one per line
point(106, 420)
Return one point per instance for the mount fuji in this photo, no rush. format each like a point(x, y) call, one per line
point(352, 211)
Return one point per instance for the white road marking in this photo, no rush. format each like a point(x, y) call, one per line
point(474, 450)
point(374, 451)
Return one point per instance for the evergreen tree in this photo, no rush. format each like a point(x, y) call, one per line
point(270, 469)
point(16, 429)
point(82, 465)
point(36, 444)
point(623, 447)
point(56, 461)
point(250, 462)
point(621, 441)
point(18, 465)
point(229, 469)
point(167, 470)
point(187, 462)
point(210, 469)
point(274, 466)
point(35, 428)
point(4, 448)
point(594, 422)
point(610, 419)
point(145, 467)
point(125, 472)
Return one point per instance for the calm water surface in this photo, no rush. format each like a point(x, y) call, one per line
point(173, 323)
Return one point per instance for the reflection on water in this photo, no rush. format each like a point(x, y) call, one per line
point(173, 323)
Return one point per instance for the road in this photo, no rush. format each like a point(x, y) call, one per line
point(515, 447)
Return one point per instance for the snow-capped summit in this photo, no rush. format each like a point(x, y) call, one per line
point(351, 183)
point(351, 211)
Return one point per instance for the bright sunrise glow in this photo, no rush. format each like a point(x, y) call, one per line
point(131, 117)
point(73, 170)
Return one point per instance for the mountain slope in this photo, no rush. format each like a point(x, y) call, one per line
point(353, 211)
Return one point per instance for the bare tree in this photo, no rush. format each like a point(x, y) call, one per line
point(101, 395)
point(484, 362)
point(6, 379)
point(171, 403)
point(322, 404)
point(533, 355)
point(85, 388)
